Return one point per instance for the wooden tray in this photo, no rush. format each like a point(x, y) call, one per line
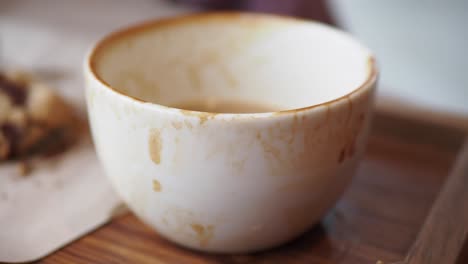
point(378, 218)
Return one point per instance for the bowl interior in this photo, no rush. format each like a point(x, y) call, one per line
point(286, 63)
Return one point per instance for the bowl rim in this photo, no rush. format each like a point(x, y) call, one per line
point(90, 61)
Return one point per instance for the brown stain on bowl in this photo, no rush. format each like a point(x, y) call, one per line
point(269, 148)
point(157, 186)
point(287, 144)
point(203, 233)
point(202, 116)
point(294, 129)
point(177, 125)
point(155, 145)
point(349, 148)
point(188, 124)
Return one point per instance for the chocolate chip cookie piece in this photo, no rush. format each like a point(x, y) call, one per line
point(33, 119)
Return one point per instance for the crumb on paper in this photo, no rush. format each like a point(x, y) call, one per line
point(34, 120)
point(24, 168)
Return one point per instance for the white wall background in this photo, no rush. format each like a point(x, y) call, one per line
point(421, 46)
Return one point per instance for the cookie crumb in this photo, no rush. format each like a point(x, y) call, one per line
point(24, 168)
point(34, 120)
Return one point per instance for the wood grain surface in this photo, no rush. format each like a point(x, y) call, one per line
point(378, 218)
point(444, 231)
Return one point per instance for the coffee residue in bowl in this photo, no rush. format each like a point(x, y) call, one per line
point(225, 106)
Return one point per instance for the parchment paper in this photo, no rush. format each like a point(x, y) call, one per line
point(67, 196)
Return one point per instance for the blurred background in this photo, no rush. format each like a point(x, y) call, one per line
point(420, 45)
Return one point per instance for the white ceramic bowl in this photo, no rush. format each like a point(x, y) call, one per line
point(230, 182)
